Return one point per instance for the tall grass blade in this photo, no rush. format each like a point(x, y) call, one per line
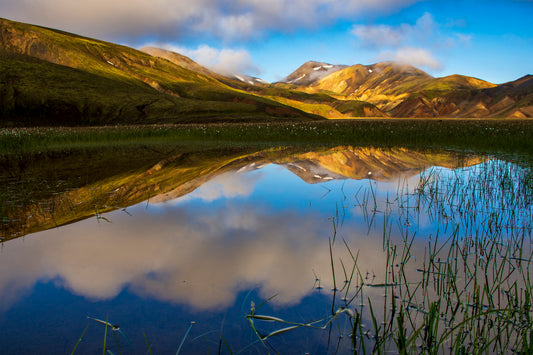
point(79, 340)
point(147, 344)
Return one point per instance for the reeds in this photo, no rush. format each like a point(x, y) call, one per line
point(468, 291)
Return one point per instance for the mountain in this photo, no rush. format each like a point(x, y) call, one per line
point(187, 63)
point(50, 77)
point(313, 103)
point(400, 90)
point(509, 100)
point(512, 99)
point(178, 59)
point(310, 72)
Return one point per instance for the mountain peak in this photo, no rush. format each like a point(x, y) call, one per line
point(176, 58)
point(311, 72)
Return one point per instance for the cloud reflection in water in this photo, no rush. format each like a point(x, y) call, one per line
point(200, 254)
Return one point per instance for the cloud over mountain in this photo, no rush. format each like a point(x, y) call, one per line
point(414, 56)
point(414, 44)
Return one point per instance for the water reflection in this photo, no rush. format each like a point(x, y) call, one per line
point(189, 251)
point(32, 204)
point(282, 224)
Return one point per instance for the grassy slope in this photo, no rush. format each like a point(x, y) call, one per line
point(87, 81)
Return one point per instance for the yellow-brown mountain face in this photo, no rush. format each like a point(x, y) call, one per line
point(355, 81)
point(400, 90)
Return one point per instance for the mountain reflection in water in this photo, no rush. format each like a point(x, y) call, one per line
point(27, 209)
point(199, 250)
point(218, 240)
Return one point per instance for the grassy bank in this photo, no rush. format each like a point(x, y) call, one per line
point(481, 136)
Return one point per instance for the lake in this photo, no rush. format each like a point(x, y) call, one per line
point(282, 250)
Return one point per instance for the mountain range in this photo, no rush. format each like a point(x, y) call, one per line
point(51, 77)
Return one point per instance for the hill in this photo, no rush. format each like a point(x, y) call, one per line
point(318, 103)
point(50, 77)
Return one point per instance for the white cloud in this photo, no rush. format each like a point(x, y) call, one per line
point(169, 19)
point(376, 36)
point(227, 185)
point(414, 44)
point(417, 57)
point(201, 258)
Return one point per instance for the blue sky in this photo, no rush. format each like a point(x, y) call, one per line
point(488, 39)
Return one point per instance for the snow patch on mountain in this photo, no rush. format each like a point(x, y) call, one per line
point(297, 79)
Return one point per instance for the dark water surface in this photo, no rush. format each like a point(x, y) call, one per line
point(304, 240)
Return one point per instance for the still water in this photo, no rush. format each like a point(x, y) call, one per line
point(220, 261)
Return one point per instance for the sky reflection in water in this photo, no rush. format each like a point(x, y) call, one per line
point(266, 228)
point(263, 230)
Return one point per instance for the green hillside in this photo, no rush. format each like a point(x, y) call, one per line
point(51, 77)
